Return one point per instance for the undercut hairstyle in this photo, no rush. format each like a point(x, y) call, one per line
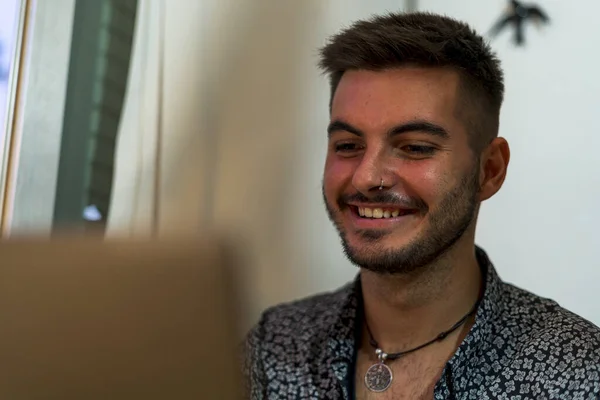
point(397, 40)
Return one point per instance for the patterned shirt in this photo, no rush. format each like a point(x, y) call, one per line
point(521, 346)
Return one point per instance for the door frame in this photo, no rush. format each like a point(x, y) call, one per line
point(30, 162)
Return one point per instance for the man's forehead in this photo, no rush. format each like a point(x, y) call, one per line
point(393, 95)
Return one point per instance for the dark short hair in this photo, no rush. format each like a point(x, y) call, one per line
point(424, 39)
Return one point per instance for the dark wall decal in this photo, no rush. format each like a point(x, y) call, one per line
point(517, 15)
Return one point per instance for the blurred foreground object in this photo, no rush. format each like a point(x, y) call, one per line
point(86, 319)
point(516, 16)
point(212, 86)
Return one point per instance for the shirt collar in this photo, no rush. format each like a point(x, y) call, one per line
point(337, 357)
point(481, 334)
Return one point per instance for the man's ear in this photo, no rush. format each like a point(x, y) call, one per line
point(494, 163)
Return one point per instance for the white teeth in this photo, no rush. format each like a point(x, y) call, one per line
point(377, 213)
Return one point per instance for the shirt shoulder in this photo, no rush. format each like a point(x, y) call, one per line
point(307, 316)
point(554, 347)
point(290, 328)
point(288, 337)
point(545, 320)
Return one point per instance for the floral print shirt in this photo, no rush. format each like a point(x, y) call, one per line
point(521, 347)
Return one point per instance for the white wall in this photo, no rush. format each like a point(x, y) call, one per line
point(541, 230)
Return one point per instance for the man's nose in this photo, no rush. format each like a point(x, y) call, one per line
point(373, 173)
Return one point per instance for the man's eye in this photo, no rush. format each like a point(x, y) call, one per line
point(346, 147)
point(419, 149)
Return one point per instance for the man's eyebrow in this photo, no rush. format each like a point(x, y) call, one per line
point(412, 126)
point(338, 126)
point(420, 126)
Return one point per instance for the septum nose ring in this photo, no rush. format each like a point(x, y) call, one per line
point(381, 185)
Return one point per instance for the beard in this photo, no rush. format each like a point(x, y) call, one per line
point(446, 225)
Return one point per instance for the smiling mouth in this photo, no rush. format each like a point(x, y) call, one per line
point(381, 213)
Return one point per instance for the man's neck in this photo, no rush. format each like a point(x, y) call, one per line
point(408, 310)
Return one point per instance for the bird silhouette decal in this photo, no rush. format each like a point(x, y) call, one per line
point(516, 16)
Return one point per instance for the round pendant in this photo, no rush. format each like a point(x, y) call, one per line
point(378, 377)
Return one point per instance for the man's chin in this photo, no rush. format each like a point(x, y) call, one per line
point(382, 239)
point(385, 261)
point(381, 251)
point(374, 261)
point(372, 245)
point(371, 236)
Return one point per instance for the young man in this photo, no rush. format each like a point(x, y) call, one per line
point(413, 151)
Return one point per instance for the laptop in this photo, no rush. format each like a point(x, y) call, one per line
point(92, 319)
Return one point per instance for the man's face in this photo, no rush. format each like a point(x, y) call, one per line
point(399, 126)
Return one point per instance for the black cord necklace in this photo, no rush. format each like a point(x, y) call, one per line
point(379, 376)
